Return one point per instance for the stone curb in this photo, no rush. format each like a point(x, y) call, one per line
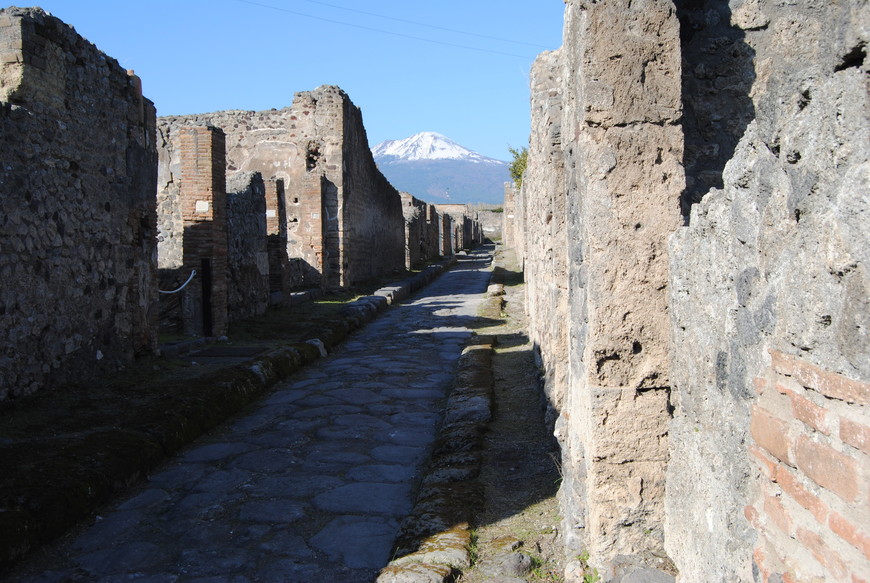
point(100, 465)
point(435, 539)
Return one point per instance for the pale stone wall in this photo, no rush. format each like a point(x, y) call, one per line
point(545, 236)
point(78, 220)
point(606, 108)
point(777, 259)
point(749, 328)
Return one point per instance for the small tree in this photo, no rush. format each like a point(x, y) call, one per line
point(518, 164)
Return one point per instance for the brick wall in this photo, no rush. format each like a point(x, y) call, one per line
point(78, 219)
point(282, 279)
point(204, 210)
point(811, 505)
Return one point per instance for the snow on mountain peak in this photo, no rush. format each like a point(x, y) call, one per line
point(426, 146)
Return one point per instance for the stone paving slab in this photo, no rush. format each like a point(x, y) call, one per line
point(312, 483)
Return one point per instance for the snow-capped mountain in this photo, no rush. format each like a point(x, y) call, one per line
point(436, 169)
point(427, 146)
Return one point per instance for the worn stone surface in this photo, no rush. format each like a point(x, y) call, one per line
point(77, 231)
point(277, 494)
point(776, 258)
point(601, 195)
point(545, 237)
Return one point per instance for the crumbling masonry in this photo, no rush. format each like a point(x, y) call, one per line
point(77, 230)
point(696, 201)
point(256, 204)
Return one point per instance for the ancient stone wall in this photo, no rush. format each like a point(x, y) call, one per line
point(776, 261)
point(545, 236)
point(247, 251)
point(466, 228)
point(513, 222)
point(203, 200)
point(193, 235)
point(336, 200)
point(372, 226)
point(714, 400)
point(491, 221)
point(78, 225)
point(421, 231)
point(622, 149)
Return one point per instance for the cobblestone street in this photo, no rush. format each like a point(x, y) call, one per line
point(308, 485)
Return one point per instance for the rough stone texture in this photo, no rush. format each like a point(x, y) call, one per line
point(247, 252)
point(421, 231)
point(717, 75)
point(344, 220)
point(606, 109)
point(78, 226)
point(776, 259)
point(770, 168)
point(545, 237)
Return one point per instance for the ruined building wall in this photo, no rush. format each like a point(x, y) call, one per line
point(466, 229)
point(193, 231)
point(750, 327)
point(545, 230)
point(247, 252)
point(284, 274)
point(512, 227)
point(333, 191)
point(421, 231)
point(623, 153)
point(769, 295)
point(280, 145)
point(78, 225)
point(491, 221)
point(372, 224)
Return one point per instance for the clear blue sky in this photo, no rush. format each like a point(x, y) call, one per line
point(197, 56)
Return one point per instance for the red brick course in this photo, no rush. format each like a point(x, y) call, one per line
point(827, 383)
point(849, 532)
point(855, 434)
point(828, 468)
point(812, 452)
point(770, 433)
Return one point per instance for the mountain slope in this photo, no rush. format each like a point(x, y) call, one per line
point(438, 170)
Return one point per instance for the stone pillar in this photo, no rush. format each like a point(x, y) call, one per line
point(203, 204)
point(623, 152)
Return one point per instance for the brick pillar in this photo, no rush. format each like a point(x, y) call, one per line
point(203, 207)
